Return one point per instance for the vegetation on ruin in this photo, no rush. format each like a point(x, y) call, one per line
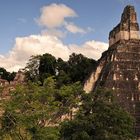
point(99, 118)
point(54, 88)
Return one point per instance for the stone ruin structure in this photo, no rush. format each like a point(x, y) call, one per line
point(119, 67)
point(19, 78)
point(3, 82)
point(7, 87)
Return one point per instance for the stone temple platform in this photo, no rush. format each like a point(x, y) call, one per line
point(119, 67)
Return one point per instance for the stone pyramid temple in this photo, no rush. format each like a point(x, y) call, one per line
point(119, 67)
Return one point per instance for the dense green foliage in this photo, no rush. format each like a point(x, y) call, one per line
point(53, 106)
point(99, 118)
point(34, 109)
point(7, 75)
point(47, 66)
point(32, 68)
point(79, 67)
point(75, 69)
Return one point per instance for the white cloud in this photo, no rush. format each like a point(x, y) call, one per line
point(91, 49)
point(54, 15)
point(40, 44)
point(54, 32)
point(74, 29)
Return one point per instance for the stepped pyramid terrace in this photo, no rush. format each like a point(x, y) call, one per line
point(119, 67)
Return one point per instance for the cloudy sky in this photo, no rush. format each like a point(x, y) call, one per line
point(59, 27)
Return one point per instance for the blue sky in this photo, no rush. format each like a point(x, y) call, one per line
point(19, 18)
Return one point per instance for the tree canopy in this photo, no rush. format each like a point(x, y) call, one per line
point(52, 105)
point(77, 68)
point(35, 111)
point(7, 75)
point(99, 118)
